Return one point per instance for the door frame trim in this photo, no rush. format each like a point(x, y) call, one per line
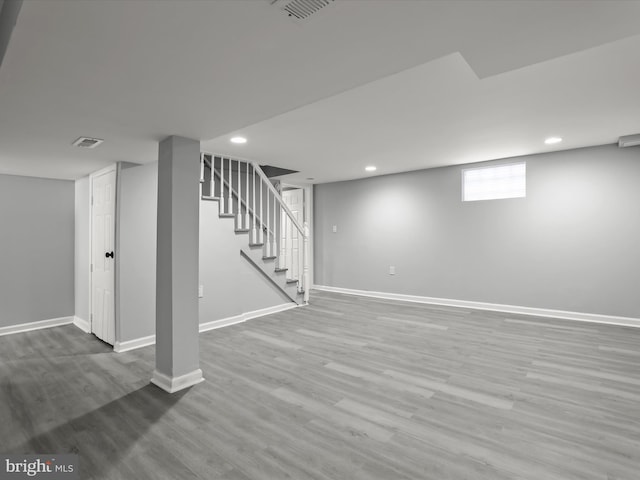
point(111, 168)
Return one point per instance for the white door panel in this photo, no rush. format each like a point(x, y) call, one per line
point(102, 244)
point(290, 237)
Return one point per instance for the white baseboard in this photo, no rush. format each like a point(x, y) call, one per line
point(120, 347)
point(175, 384)
point(538, 312)
point(225, 322)
point(82, 324)
point(27, 327)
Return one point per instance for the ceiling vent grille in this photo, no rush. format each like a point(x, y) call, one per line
point(87, 142)
point(629, 141)
point(301, 9)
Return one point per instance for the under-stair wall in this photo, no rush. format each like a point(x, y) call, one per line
point(232, 289)
point(273, 240)
point(231, 286)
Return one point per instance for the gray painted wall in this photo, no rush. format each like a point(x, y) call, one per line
point(137, 251)
point(231, 287)
point(571, 244)
point(82, 248)
point(36, 249)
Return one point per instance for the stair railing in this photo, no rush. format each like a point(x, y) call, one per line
point(247, 194)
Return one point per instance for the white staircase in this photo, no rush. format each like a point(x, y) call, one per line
point(246, 195)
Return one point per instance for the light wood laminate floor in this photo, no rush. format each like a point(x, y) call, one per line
point(345, 388)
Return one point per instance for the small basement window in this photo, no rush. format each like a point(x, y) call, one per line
point(494, 182)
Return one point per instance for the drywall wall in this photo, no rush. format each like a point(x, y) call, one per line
point(82, 249)
point(136, 231)
point(36, 249)
point(231, 286)
point(571, 244)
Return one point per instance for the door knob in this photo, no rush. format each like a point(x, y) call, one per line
point(109, 254)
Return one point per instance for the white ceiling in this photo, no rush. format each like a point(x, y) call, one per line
point(400, 84)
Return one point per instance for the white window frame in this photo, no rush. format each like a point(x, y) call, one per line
point(462, 181)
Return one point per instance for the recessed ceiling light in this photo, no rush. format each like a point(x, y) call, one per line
point(238, 140)
point(370, 168)
point(552, 140)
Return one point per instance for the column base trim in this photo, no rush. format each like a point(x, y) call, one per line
point(175, 384)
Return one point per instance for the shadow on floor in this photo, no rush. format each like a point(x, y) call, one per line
point(103, 437)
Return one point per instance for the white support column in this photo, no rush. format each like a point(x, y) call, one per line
point(177, 322)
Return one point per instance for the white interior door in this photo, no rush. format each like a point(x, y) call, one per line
point(102, 256)
point(290, 241)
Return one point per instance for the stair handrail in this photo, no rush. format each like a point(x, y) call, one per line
point(303, 274)
point(234, 191)
point(277, 196)
point(266, 181)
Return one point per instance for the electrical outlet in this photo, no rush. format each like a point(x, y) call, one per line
point(200, 291)
point(392, 270)
point(335, 229)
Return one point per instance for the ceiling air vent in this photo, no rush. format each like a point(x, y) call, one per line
point(629, 141)
point(301, 9)
point(87, 142)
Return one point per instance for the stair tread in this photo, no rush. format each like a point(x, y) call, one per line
point(207, 197)
point(227, 215)
point(242, 230)
point(256, 244)
point(272, 257)
point(292, 280)
point(278, 270)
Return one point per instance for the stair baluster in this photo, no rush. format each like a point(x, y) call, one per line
point(212, 185)
point(254, 233)
point(305, 286)
point(274, 236)
point(230, 190)
point(239, 217)
point(247, 223)
point(268, 230)
point(261, 229)
point(279, 233)
point(222, 206)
